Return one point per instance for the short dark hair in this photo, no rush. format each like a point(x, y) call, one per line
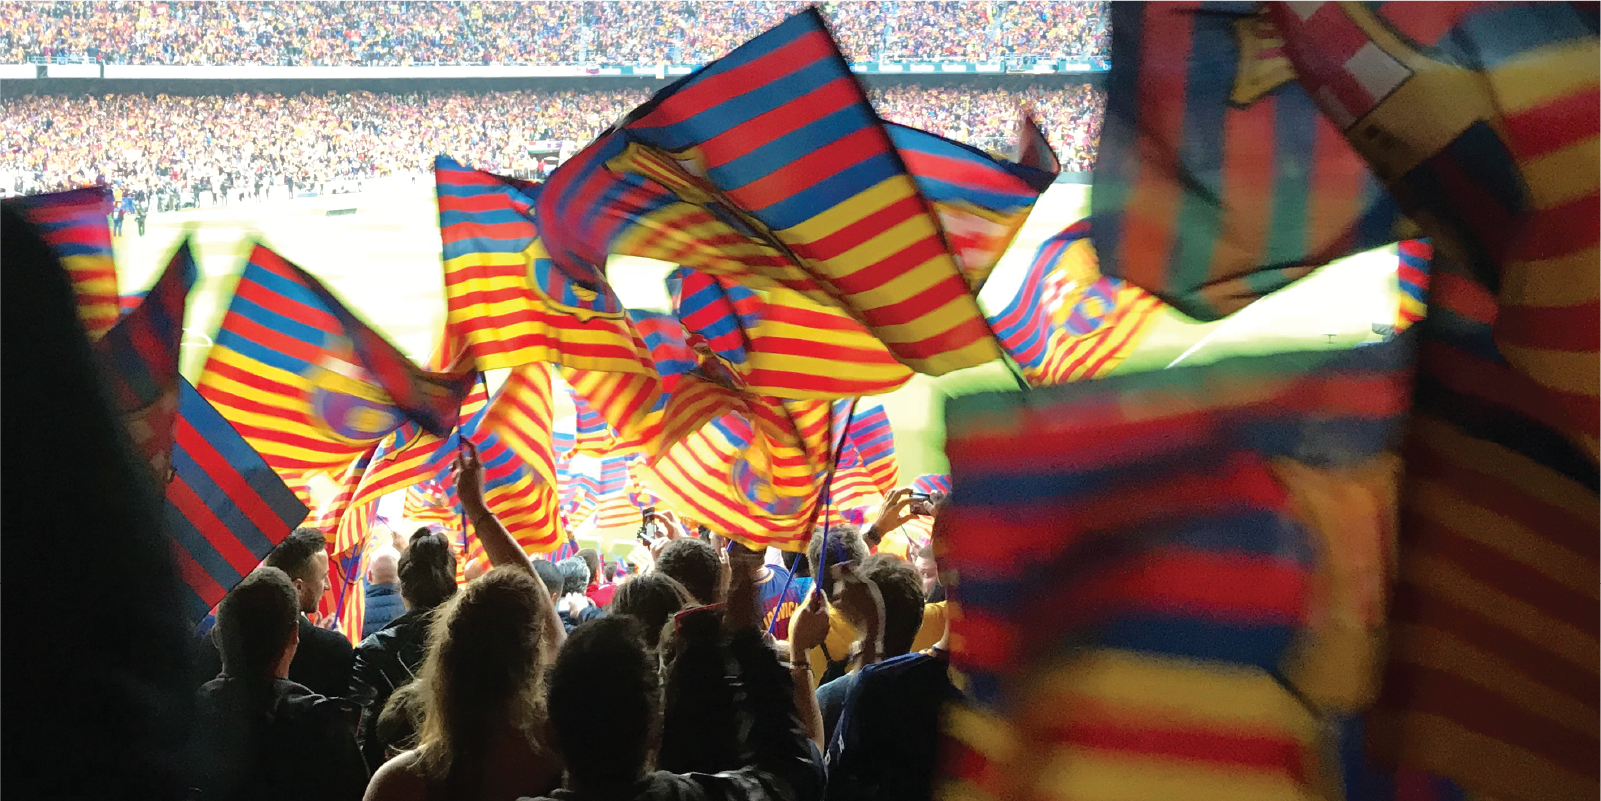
point(609, 571)
point(427, 570)
point(293, 555)
point(255, 621)
point(695, 565)
point(574, 575)
point(902, 591)
point(652, 599)
point(592, 561)
point(844, 545)
point(603, 704)
point(549, 573)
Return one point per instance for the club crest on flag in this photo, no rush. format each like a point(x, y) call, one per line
point(347, 406)
point(1263, 66)
point(754, 489)
point(567, 293)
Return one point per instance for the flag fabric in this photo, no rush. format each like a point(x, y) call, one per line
point(139, 362)
point(346, 597)
point(428, 503)
point(873, 441)
point(780, 343)
point(1412, 281)
point(1068, 322)
point(716, 476)
point(1483, 120)
point(1134, 549)
point(524, 416)
point(1488, 119)
point(779, 171)
point(1217, 180)
point(226, 508)
point(505, 300)
point(594, 435)
point(309, 385)
point(929, 483)
point(981, 201)
point(127, 303)
point(73, 224)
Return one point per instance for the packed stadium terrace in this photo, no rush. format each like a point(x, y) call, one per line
point(177, 147)
point(628, 32)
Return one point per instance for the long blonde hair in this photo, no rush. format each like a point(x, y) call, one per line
point(485, 667)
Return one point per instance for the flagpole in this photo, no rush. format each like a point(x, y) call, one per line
point(828, 500)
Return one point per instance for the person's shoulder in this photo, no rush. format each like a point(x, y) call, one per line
point(321, 638)
point(397, 780)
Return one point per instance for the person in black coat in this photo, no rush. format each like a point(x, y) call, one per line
point(260, 735)
point(389, 658)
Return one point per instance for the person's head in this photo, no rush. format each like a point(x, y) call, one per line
point(258, 626)
point(604, 705)
point(475, 568)
point(609, 571)
point(383, 566)
point(592, 561)
point(695, 565)
point(483, 670)
point(574, 575)
point(303, 556)
point(902, 592)
point(653, 599)
point(427, 571)
point(396, 728)
point(927, 568)
point(550, 575)
point(845, 546)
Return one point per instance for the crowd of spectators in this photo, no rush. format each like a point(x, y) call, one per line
point(587, 32)
point(227, 147)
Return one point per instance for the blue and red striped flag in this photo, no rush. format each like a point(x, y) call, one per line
point(1412, 281)
point(981, 201)
point(1068, 322)
point(309, 385)
point(873, 441)
point(505, 300)
point(73, 224)
point(1218, 181)
point(780, 173)
point(929, 483)
point(139, 361)
point(226, 507)
point(1140, 549)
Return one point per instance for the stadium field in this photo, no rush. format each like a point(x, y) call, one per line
point(382, 258)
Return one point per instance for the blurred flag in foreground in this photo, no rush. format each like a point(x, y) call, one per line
point(1142, 550)
point(1068, 322)
point(73, 224)
point(1412, 281)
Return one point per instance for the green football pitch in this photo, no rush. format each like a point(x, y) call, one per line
point(382, 258)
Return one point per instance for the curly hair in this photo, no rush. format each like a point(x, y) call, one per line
point(485, 666)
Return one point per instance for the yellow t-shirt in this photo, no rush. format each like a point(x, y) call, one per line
point(842, 635)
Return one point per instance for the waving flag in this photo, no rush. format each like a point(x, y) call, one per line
point(504, 299)
point(779, 171)
point(1068, 322)
point(780, 343)
point(1412, 278)
point(346, 597)
point(981, 201)
point(1140, 549)
point(1218, 181)
point(139, 361)
point(870, 436)
point(73, 224)
point(226, 508)
point(428, 503)
point(932, 482)
point(306, 383)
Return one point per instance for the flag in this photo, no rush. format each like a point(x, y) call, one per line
point(226, 508)
point(1135, 550)
point(779, 172)
point(306, 383)
point(1412, 280)
point(504, 299)
point(870, 436)
point(929, 483)
point(981, 201)
point(428, 503)
point(1217, 180)
point(127, 303)
point(346, 597)
point(1484, 119)
point(717, 476)
point(524, 417)
point(139, 362)
point(782, 344)
point(1067, 321)
point(73, 224)
point(594, 436)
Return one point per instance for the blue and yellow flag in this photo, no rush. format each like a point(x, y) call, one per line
point(73, 224)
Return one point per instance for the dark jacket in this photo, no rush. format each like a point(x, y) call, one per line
point(260, 740)
point(383, 605)
point(780, 763)
point(887, 739)
point(385, 661)
point(322, 661)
